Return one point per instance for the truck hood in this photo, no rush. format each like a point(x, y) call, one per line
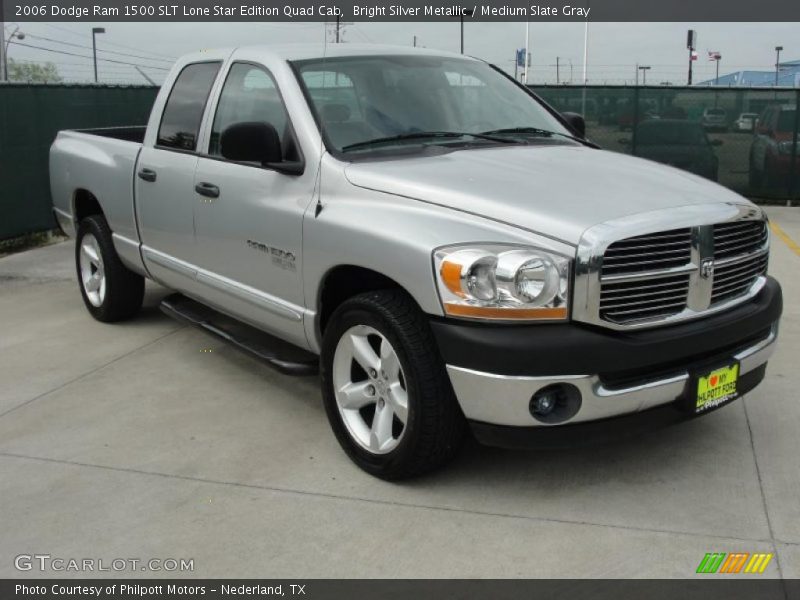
point(555, 190)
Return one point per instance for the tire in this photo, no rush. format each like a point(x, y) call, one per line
point(434, 425)
point(110, 291)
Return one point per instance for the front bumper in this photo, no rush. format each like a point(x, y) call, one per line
point(495, 370)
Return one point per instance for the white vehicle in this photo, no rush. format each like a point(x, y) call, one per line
point(451, 251)
point(746, 122)
point(715, 119)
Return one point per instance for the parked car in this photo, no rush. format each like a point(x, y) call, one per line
point(745, 123)
point(450, 251)
point(772, 148)
point(626, 119)
point(679, 143)
point(715, 119)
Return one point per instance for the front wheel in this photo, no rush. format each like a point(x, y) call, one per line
point(110, 290)
point(385, 388)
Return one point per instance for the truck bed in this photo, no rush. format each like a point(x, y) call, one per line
point(101, 162)
point(133, 133)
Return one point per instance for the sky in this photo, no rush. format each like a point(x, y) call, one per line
point(615, 49)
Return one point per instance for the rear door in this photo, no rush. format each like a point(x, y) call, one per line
point(249, 231)
point(165, 175)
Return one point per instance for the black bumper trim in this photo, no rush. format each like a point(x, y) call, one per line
point(580, 349)
point(604, 430)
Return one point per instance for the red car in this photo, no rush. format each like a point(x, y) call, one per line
point(771, 151)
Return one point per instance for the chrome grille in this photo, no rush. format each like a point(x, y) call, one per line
point(740, 254)
point(650, 252)
point(645, 258)
point(734, 279)
point(738, 237)
point(625, 301)
point(654, 277)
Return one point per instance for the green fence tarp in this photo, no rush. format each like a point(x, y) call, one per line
point(30, 117)
point(696, 129)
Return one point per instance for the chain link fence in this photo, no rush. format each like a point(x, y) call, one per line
point(746, 139)
point(30, 117)
point(743, 138)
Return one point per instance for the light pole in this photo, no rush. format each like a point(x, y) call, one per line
point(95, 31)
point(465, 12)
point(644, 69)
point(14, 34)
point(777, 62)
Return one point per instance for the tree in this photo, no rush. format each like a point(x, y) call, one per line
point(33, 72)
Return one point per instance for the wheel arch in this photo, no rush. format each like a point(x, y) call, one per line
point(345, 281)
point(85, 204)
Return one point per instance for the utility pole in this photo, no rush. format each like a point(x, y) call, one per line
point(558, 75)
point(644, 69)
point(415, 41)
point(465, 12)
point(691, 44)
point(4, 49)
point(338, 25)
point(777, 62)
point(95, 31)
point(527, 51)
point(3, 74)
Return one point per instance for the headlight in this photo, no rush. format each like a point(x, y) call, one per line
point(503, 283)
point(785, 147)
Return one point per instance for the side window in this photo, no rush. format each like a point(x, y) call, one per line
point(180, 123)
point(249, 95)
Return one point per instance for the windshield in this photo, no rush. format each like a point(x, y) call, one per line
point(670, 133)
point(360, 101)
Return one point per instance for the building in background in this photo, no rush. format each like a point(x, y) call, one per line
point(788, 76)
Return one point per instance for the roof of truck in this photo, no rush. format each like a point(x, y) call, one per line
point(293, 52)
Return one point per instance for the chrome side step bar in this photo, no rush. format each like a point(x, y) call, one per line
point(283, 356)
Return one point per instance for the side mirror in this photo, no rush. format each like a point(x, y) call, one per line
point(576, 122)
point(257, 142)
point(251, 142)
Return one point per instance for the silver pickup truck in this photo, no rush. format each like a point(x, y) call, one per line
point(450, 252)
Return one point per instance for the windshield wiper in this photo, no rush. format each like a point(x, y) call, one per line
point(535, 131)
point(429, 135)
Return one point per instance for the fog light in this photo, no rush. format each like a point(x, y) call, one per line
point(544, 403)
point(555, 403)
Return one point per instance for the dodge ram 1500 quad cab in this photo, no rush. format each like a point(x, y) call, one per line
point(451, 252)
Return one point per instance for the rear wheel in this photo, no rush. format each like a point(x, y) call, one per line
point(385, 388)
point(111, 291)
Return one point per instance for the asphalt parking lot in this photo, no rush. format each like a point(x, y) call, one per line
point(150, 439)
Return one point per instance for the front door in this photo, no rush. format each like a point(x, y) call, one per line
point(248, 218)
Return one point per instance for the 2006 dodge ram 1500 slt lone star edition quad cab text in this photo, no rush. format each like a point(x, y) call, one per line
point(447, 249)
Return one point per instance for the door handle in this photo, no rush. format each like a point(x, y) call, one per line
point(147, 174)
point(209, 190)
